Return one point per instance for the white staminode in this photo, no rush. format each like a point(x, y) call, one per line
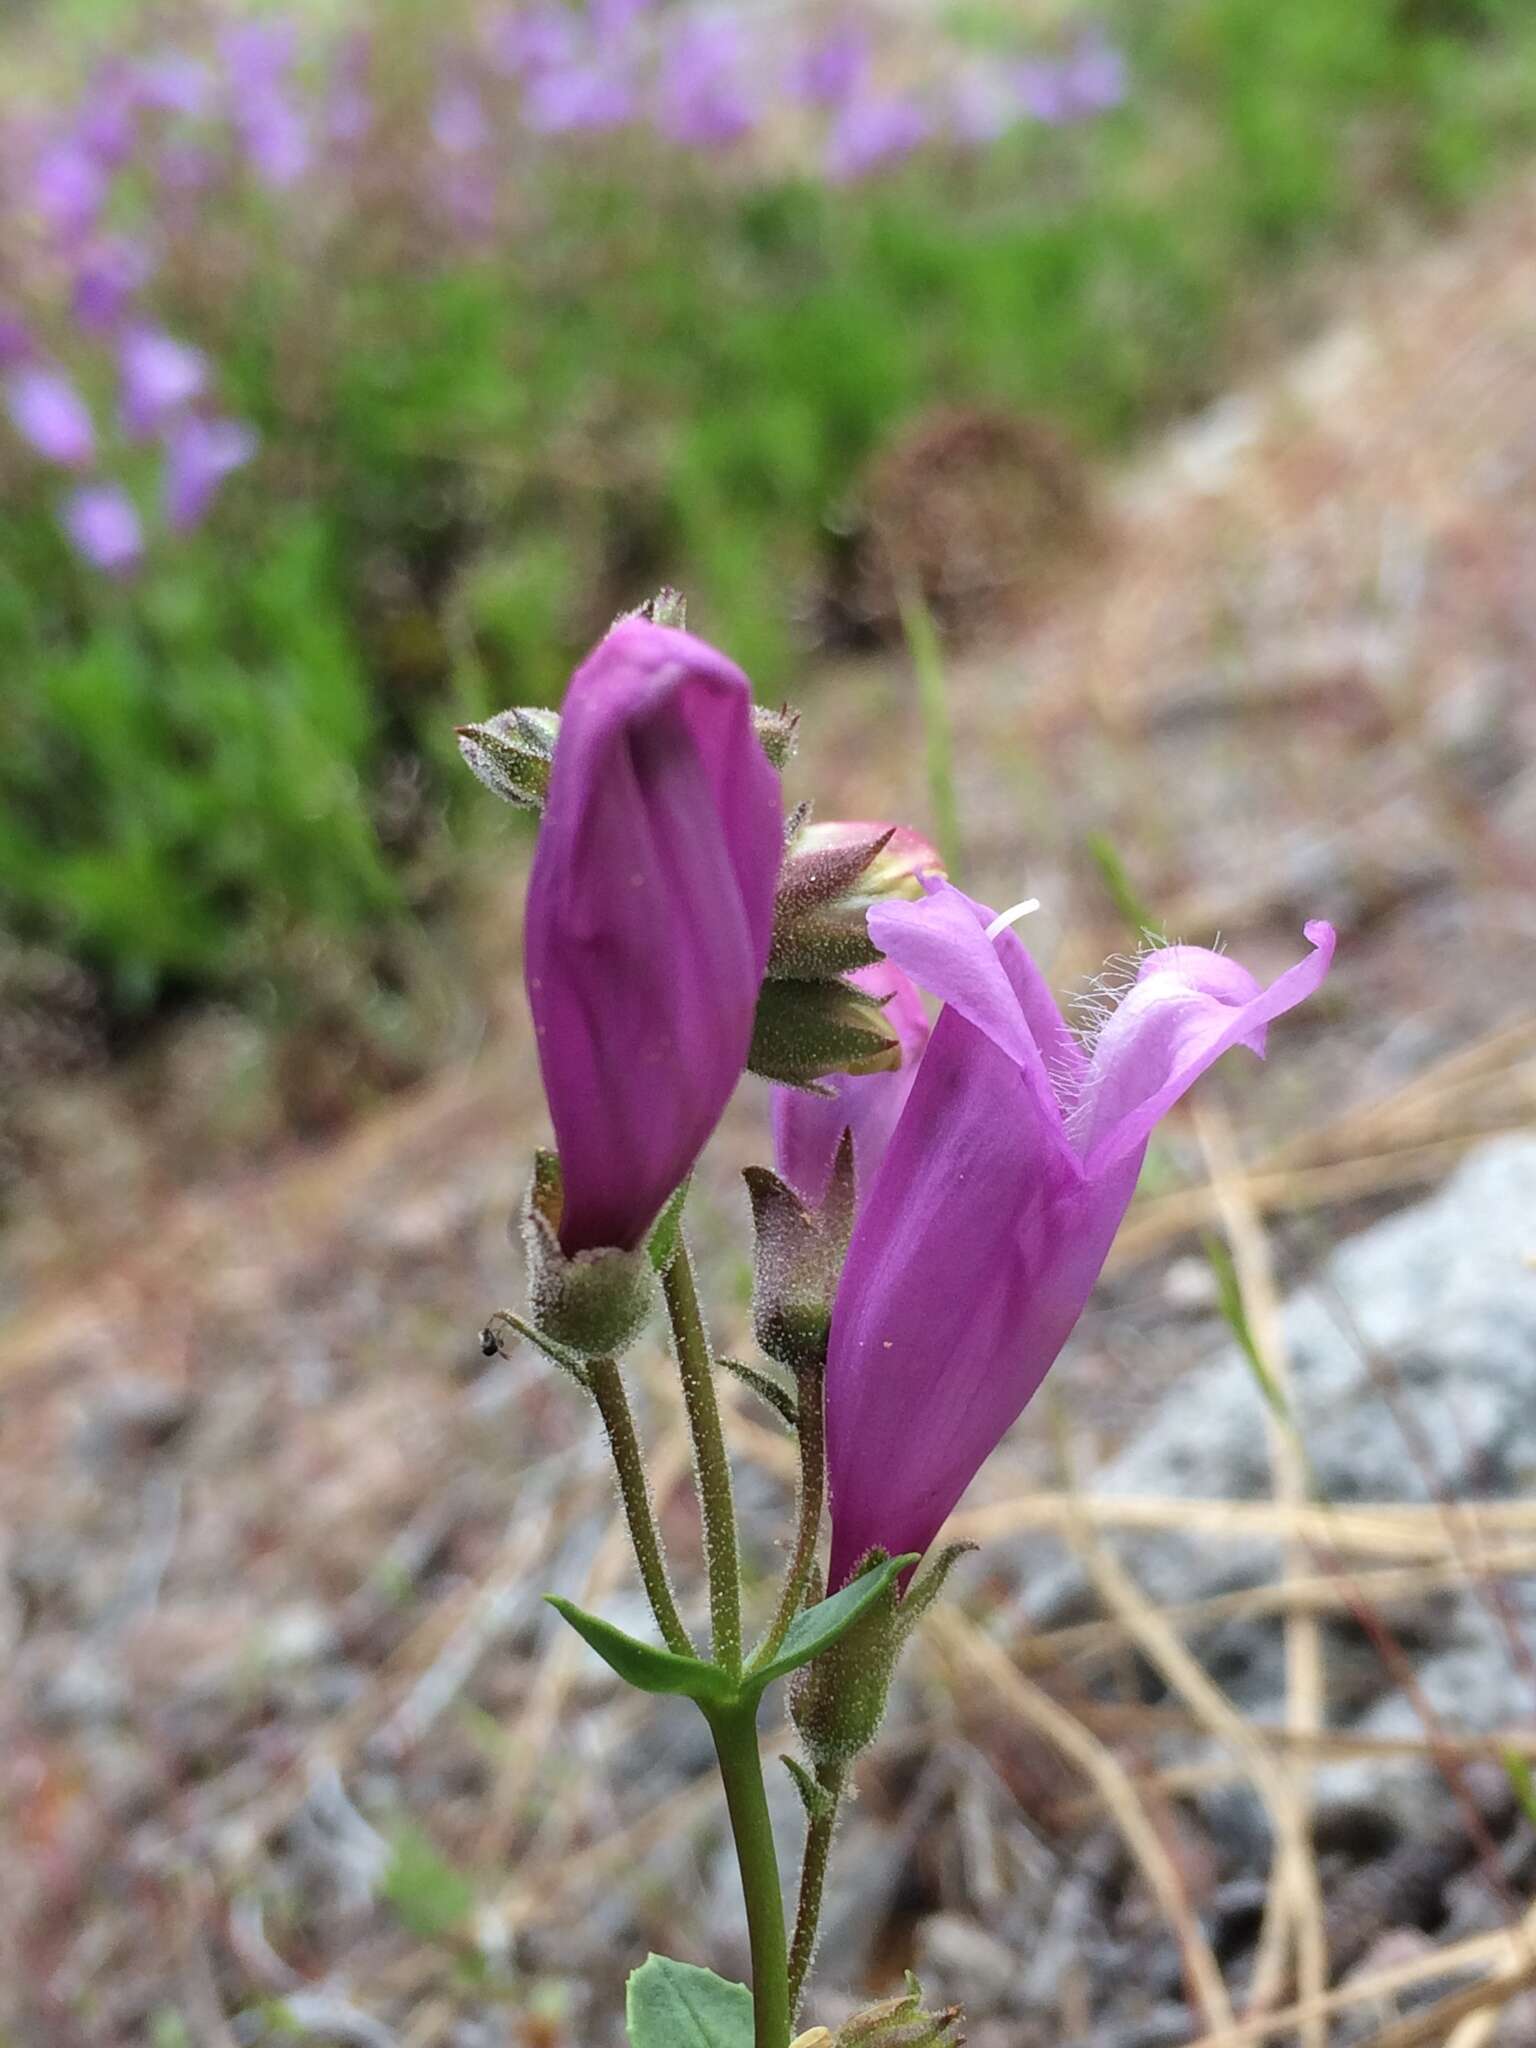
point(1008, 917)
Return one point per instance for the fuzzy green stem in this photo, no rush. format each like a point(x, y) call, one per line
point(696, 1368)
point(741, 1768)
point(810, 1398)
point(628, 1460)
point(813, 1878)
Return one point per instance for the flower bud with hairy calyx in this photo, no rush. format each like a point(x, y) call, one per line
point(804, 1030)
point(831, 876)
point(800, 1252)
point(595, 1303)
point(511, 754)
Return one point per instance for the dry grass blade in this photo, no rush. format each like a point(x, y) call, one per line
point(1318, 1593)
point(1297, 1892)
point(972, 1655)
point(1397, 1529)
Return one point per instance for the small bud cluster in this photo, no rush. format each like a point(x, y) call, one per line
point(812, 1021)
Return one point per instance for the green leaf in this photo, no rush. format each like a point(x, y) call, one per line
point(646, 1665)
point(1518, 1770)
point(1234, 1309)
point(674, 2005)
point(819, 1627)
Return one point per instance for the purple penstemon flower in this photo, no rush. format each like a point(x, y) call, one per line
point(650, 917)
point(50, 414)
point(999, 1195)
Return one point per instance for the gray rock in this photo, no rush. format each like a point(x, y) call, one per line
point(1413, 1359)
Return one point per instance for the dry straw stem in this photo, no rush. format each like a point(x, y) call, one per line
point(1294, 1887)
point(1294, 1909)
point(566, 1664)
point(1408, 1137)
point(972, 1655)
point(1086, 1642)
point(1396, 1529)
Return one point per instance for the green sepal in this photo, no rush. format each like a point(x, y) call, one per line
point(676, 2005)
point(817, 1628)
point(818, 1802)
point(557, 1353)
point(647, 1666)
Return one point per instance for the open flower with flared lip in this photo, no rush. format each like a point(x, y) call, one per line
point(998, 1197)
point(650, 916)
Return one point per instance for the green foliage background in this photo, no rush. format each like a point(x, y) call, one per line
point(471, 460)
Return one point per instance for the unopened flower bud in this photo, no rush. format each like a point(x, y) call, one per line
point(800, 1252)
point(511, 754)
point(831, 876)
point(778, 732)
point(595, 1303)
point(901, 2023)
point(804, 1030)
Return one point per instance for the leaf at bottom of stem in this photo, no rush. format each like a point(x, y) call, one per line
point(675, 2005)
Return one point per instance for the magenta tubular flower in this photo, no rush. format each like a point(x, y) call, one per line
point(103, 526)
point(998, 1198)
point(49, 413)
point(650, 916)
point(807, 1129)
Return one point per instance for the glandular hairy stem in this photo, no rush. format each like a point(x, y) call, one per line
point(831, 1779)
point(613, 1406)
point(712, 1467)
point(811, 1410)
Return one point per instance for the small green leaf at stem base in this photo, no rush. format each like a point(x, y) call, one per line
point(647, 1666)
point(819, 1627)
point(675, 2005)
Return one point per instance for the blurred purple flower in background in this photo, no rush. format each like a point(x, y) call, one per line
point(829, 69)
point(705, 95)
point(1092, 80)
point(15, 342)
point(199, 455)
point(160, 376)
point(568, 99)
point(69, 186)
point(258, 59)
point(173, 83)
point(104, 528)
point(526, 40)
point(108, 276)
point(458, 119)
point(872, 134)
point(49, 413)
point(996, 1203)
